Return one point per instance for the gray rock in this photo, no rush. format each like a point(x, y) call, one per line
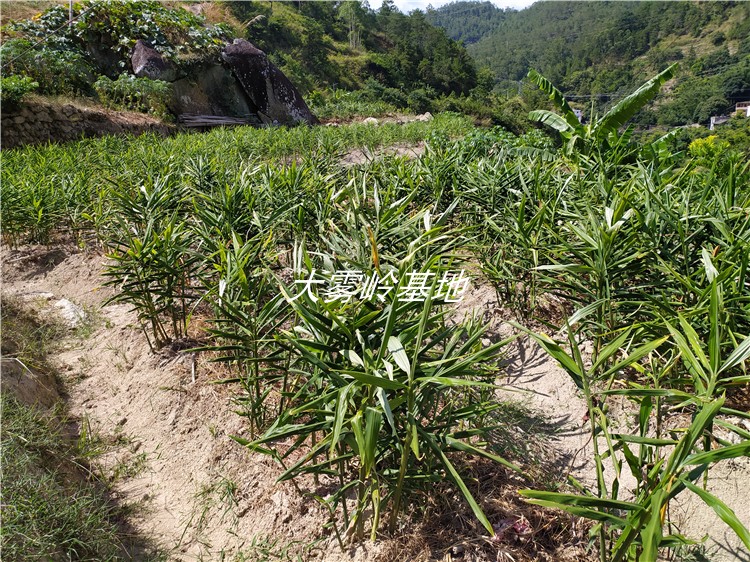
point(148, 63)
point(275, 98)
point(370, 121)
point(71, 312)
point(210, 90)
point(424, 117)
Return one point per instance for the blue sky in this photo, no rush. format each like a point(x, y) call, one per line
point(408, 5)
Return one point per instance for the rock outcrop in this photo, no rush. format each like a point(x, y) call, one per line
point(148, 62)
point(210, 89)
point(275, 98)
point(246, 85)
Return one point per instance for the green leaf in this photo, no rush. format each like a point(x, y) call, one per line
point(610, 350)
point(643, 440)
point(353, 358)
point(636, 355)
point(665, 392)
point(722, 510)
point(716, 455)
point(629, 106)
point(557, 98)
point(557, 353)
point(399, 354)
point(449, 381)
point(467, 448)
point(373, 423)
point(551, 119)
point(702, 420)
point(714, 337)
point(708, 266)
point(651, 535)
point(342, 403)
point(453, 473)
point(373, 380)
point(739, 355)
point(585, 512)
point(580, 501)
point(383, 398)
point(696, 364)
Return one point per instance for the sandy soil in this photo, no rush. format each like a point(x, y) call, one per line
point(199, 495)
point(363, 155)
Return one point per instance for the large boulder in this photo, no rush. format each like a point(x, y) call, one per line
point(210, 89)
point(148, 62)
point(274, 96)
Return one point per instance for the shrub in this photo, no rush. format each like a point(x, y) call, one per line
point(377, 92)
point(56, 71)
point(345, 105)
point(707, 149)
point(14, 88)
point(395, 97)
point(116, 26)
point(139, 94)
point(420, 101)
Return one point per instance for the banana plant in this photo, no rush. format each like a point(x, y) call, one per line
point(602, 133)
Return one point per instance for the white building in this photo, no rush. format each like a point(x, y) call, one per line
point(717, 120)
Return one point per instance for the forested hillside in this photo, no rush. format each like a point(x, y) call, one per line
point(353, 58)
point(600, 50)
point(345, 43)
point(467, 22)
point(317, 44)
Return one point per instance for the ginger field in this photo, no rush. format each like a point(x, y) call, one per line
point(497, 347)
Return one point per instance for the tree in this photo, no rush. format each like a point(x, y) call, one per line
point(351, 13)
point(388, 7)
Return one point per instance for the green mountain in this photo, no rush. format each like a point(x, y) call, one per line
point(600, 50)
point(467, 22)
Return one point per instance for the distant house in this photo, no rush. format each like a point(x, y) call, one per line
point(741, 108)
point(717, 120)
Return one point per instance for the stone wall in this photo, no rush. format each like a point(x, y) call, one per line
point(39, 121)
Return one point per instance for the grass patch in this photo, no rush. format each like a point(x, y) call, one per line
point(53, 506)
point(25, 337)
point(50, 509)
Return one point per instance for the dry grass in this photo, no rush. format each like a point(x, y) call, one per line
point(214, 13)
point(24, 9)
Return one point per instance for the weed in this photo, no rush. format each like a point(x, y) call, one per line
point(266, 549)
